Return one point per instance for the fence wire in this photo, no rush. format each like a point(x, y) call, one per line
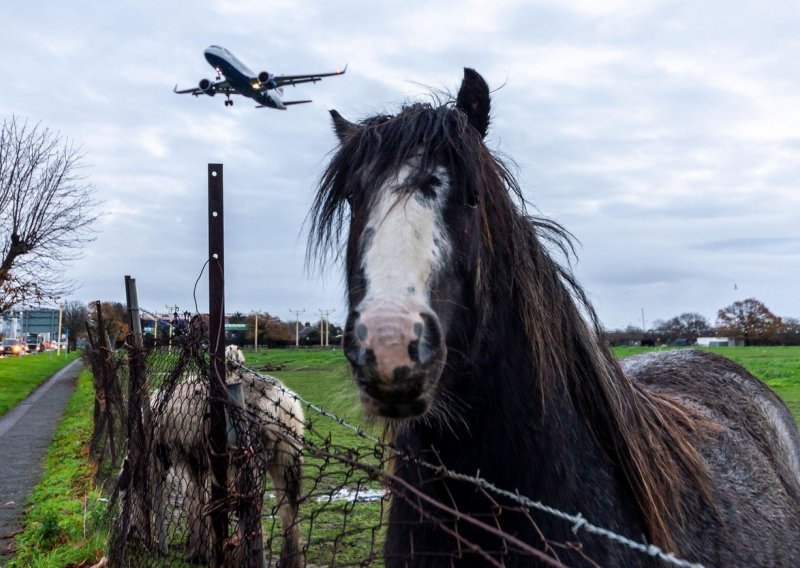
point(304, 487)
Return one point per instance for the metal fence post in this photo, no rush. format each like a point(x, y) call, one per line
point(218, 394)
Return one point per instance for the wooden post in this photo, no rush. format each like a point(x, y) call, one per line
point(138, 499)
point(134, 319)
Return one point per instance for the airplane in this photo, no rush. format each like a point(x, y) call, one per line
point(265, 88)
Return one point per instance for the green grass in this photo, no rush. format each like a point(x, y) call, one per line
point(65, 501)
point(340, 533)
point(19, 376)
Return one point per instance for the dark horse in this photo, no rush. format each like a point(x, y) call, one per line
point(485, 356)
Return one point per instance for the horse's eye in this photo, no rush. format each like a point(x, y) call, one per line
point(429, 184)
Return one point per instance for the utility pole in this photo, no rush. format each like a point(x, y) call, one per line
point(643, 330)
point(328, 328)
point(58, 342)
point(171, 310)
point(297, 326)
point(323, 332)
point(255, 333)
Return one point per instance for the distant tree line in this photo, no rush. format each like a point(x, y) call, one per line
point(748, 321)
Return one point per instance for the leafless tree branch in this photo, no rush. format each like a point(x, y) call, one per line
point(47, 210)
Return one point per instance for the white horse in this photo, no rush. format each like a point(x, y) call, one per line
point(180, 429)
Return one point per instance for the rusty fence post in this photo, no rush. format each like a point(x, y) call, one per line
point(218, 436)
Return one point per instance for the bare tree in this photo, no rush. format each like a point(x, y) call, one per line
point(46, 212)
point(115, 321)
point(790, 334)
point(688, 325)
point(75, 317)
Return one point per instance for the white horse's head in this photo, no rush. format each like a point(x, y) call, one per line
point(234, 354)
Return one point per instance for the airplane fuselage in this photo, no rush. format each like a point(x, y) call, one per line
point(241, 78)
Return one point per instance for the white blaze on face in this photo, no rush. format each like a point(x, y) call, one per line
point(408, 244)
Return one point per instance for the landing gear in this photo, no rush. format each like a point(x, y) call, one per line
point(228, 102)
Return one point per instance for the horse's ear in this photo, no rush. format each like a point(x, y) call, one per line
point(341, 125)
point(473, 100)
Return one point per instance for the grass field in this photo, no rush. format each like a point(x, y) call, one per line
point(19, 376)
point(339, 532)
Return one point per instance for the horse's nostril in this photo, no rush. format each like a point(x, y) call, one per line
point(429, 345)
point(418, 330)
point(361, 332)
point(413, 351)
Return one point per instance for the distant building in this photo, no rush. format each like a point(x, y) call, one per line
point(235, 333)
point(39, 321)
point(719, 342)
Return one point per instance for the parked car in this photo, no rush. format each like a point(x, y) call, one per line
point(14, 347)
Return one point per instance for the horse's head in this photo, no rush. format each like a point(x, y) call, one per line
point(410, 181)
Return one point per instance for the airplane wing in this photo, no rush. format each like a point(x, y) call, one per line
point(285, 104)
point(213, 88)
point(283, 80)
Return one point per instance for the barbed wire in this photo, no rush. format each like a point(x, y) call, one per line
point(579, 522)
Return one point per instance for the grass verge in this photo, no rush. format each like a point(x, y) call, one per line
point(19, 376)
point(64, 523)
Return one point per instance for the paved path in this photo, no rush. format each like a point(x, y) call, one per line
point(25, 434)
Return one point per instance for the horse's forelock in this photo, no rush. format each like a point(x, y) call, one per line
point(376, 149)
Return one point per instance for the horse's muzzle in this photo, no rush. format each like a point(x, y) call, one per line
point(396, 357)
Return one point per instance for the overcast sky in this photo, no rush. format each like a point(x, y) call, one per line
point(664, 135)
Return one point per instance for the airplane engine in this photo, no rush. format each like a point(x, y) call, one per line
point(263, 77)
point(205, 86)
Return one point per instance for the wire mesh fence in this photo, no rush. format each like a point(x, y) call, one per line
point(295, 494)
point(303, 487)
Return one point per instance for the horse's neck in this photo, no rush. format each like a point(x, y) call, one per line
point(496, 414)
